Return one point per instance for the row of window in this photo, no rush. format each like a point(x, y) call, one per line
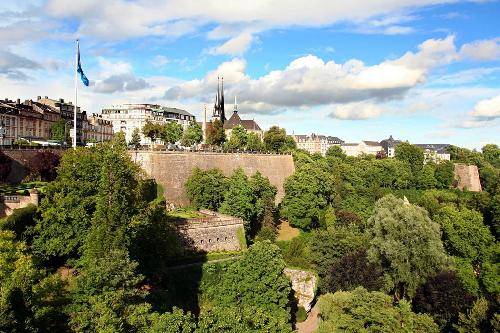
point(216, 240)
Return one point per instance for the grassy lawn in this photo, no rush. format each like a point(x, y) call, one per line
point(185, 213)
point(8, 189)
point(286, 231)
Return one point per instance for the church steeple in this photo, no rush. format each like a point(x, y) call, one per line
point(222, 113)
point(235, 107)
point(219, 101)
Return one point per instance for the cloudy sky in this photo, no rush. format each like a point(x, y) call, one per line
point(421, 70)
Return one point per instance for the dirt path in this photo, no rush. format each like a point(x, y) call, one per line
point(311, 323)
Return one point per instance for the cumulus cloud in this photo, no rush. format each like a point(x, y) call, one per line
point(12, 65)
point(357, 111)
point(487, 109)
point(118, 77)
point(484, 113)
point(482, 50)
point(311, 81)
point(234, 46)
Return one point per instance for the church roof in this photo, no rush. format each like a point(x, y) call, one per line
point(235, 120)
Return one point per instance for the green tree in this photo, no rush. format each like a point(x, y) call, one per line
point(171, 132)
point(257, 280)
point(107, 296)
point(206, 189)
point(238, 138)
point(58, 132)
point(406, 243)
point(475, 320)
point(192, 135)
point(336, 152)
point(276, 140)
point(135, 141)
point(425, 177)
point(31, 301)
point(152, 130)
point(411, 154)
point(444, 174)
point(464, 233)
point(307, 193)
point(254, 142)
point(216, 136)
point(238, 199)
point(363, 311)
point(491, 153)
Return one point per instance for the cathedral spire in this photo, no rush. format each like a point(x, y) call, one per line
point(221, 101)
point(235, 107)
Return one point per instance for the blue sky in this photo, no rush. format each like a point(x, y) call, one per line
point(421, 70)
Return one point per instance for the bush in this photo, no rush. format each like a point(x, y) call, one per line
point(19, 221)
point(301, 314)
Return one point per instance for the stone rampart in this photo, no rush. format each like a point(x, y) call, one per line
point(304, 286)
point(213, 232)
point(172, 169)
point(467, 177)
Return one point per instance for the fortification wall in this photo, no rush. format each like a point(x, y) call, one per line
point(467, 177)
point(172, 169)
point(214, 233)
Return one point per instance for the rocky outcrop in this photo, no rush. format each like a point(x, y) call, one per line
point(304, 285)
point(467, 177)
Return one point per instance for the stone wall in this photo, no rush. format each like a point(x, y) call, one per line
point(213, 232)
point(304, 286)
point(10, 202)
point(467, 177)
point(172, 169)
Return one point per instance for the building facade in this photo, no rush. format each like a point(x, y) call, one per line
point(98, 129)
point(248, 124)
point(435, 152)
point(316, 143)
point(364, 147)
point(128, 117)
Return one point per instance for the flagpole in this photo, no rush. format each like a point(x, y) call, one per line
point(76, 95)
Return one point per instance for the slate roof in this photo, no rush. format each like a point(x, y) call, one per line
point(235, 120)
point(441, 148)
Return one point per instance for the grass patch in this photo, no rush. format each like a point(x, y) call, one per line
point(185, 213)
point(286, 231)
point(22, 188)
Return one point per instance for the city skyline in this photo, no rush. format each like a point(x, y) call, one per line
point(419, 70)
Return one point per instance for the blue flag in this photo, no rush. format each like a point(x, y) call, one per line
point(80, 70)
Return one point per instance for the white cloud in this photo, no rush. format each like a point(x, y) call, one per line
point(357, 111)
point(177, 17)
point(310, 81)
point(234, 46)
point(12, 65)
point(487, 109)
point(160, 61)
point(482, 50)
point(117, 77)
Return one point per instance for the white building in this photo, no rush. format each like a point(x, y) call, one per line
point(316, 143)
point(435, 152)
point(364, 147)
point(127, 117)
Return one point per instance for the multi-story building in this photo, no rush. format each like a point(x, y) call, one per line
point(435, 152)
point(9, 120)
point(66, 109)
point(316, 143)
point(127, 117)
point(98, 129)
point(364, 147)
point(389, 146)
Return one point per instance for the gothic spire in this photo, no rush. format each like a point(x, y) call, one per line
point(221, 109)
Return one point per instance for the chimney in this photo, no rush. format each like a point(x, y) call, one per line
point(61, 100)
point(38, 98)
point(18, 101)
point(46, 97)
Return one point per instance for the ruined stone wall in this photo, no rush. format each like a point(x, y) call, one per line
point(172, 169)
point(467, 177)
point(214, 233)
